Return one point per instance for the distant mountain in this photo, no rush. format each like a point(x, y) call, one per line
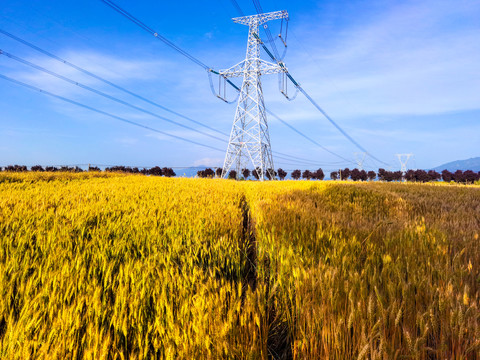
point(469, 164)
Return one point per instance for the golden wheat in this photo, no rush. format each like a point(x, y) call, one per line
point(109, 266)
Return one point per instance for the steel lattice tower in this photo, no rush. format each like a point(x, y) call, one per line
point(360, 159)
point(249, 139)
point(403, 160)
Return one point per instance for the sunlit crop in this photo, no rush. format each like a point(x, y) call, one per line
point(109, 266)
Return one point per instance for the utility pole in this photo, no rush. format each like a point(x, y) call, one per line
point(403, 160)
point(249, 139)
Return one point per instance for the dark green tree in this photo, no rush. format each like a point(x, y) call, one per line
point(296, 174)
point(447, 176)
point(281, 173)
point(232, 174)
point(355, 174)
point(307, 174)
point(168, 172)
point(318, 174)
point(245, 173)
point(371, 175)
point(270, 174)
point(345, 174)
point(37, 168)
point(156, 170)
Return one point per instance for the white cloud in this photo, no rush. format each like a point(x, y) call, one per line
point(127, 141)
point(371, 70)
point(409, 60)
point(208, 162)
point(115, 69)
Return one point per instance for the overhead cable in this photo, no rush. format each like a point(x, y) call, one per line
point(164, 39)
point(88, 88)
point(86, 72)
point(236, 6)
point(192, 58)
point(153, 32)
point(259, 9)
point(106, 113)
point(103, 80)
point(314, 103)
point(302, 162)
point(307, 137)
point(292, 157)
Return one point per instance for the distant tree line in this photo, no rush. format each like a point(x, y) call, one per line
point(459, 176)
point(156, 170)
point(245, 173)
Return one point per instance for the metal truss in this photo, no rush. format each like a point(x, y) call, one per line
point(261, 18)
point(360, 159)
point(249, 139)
point(403, 160)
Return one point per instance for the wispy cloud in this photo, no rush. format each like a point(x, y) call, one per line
point(115, 69)
point(187, 134)
point(208, 161)
point(414, 58)
point(379, 70)
point(127, 141)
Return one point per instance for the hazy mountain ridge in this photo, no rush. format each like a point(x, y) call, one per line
point(468, 164)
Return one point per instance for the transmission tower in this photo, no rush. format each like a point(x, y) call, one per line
point(403, 160)
point(360, 159)
point(249, 139)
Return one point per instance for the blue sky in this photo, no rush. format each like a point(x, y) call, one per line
point(399, 77)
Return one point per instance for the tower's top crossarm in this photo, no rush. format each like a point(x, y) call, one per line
point(261, 18)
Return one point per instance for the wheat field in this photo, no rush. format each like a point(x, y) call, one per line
point(112, 266)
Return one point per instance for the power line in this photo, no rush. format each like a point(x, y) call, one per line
point(103, 80)
point(275, 57)
point(259, 9)
point(169, 43)
point(105, 113)
point(302, 162)
point(314, 103)
point(88, 88)
point(344, 133)
point(314, 162)
point(198, 62)
point(112, 98)
point(236, 6)
point(307, 137)
point(86, 72)
point(154, 33)
point(163, 39)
